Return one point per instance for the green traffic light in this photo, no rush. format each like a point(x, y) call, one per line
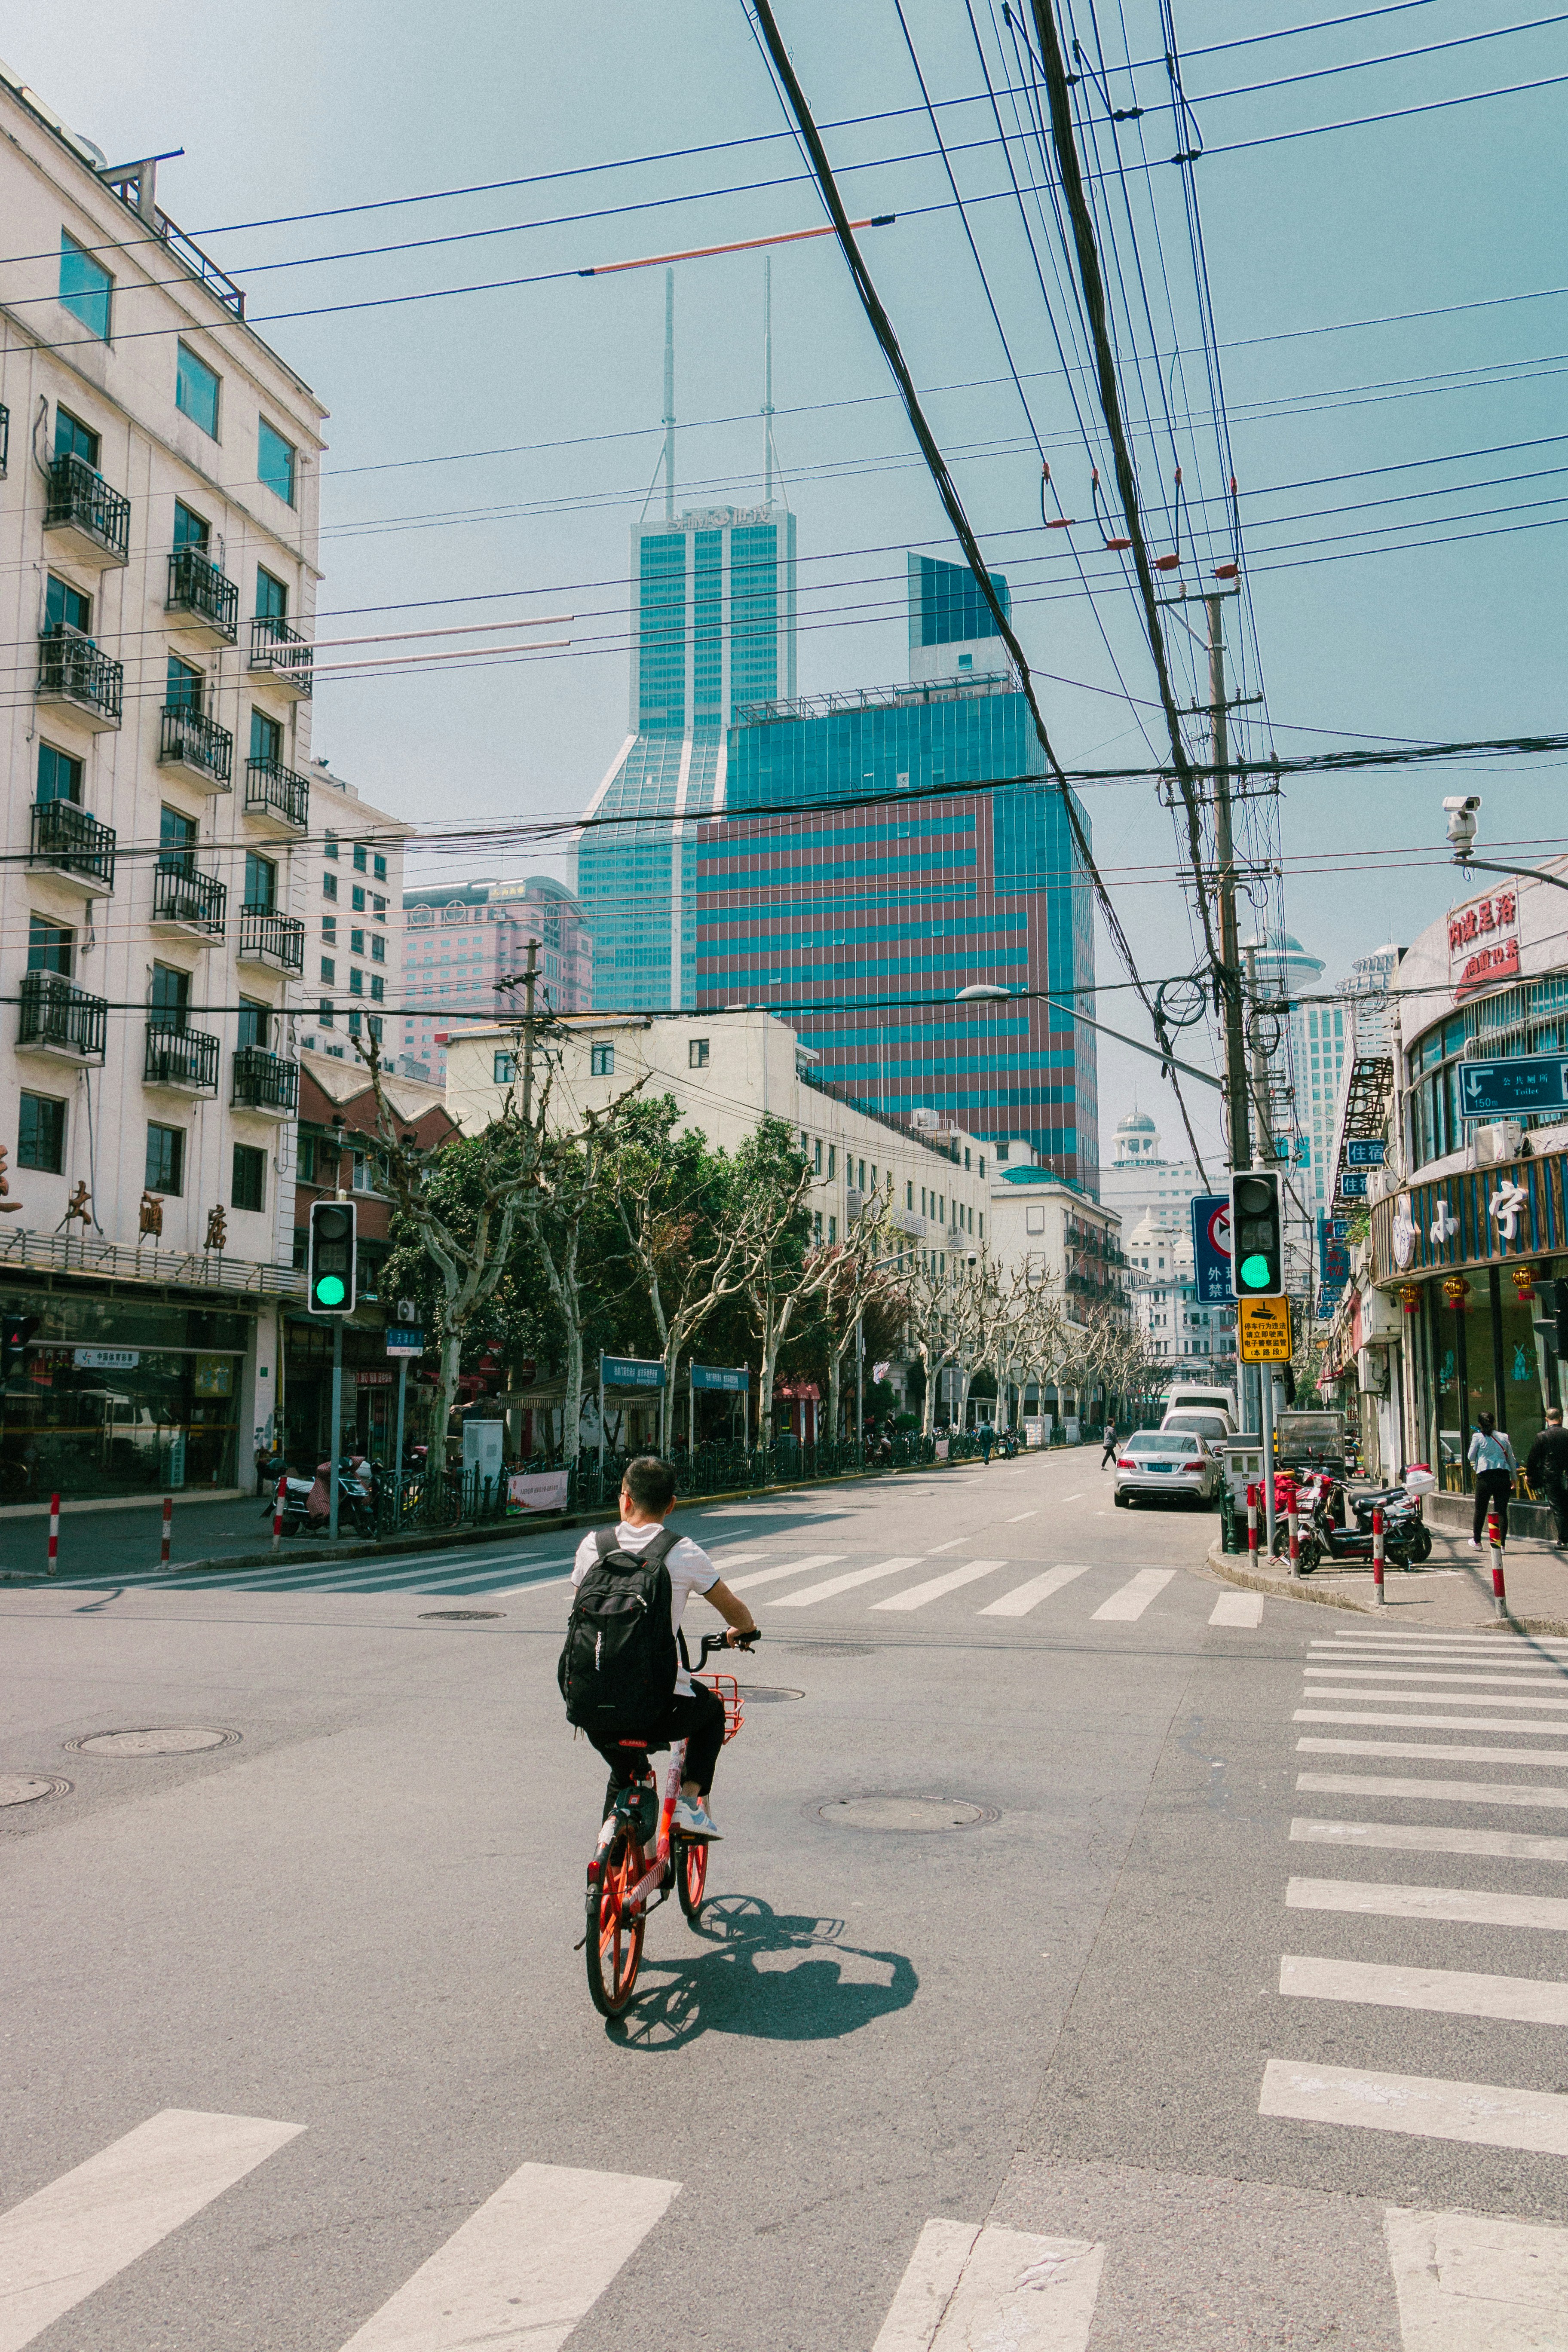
point(330, 1291)
point(1254, 1272)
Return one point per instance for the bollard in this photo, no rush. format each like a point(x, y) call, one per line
point(1293, 1525)
point(1252, 1527)
point(168, 1528)
point(277, 1510)
point(1494, 1537)
point(1377, 1593)
point(54, 1535)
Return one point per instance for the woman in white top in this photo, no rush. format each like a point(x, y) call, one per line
point(1492, 1457)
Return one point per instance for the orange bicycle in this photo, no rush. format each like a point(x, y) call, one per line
point(625, 1880)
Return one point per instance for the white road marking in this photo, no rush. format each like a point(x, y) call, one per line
point(519, 2272)
point(949, 1547)
point(1433, 1722)
point(1483, 2114)
point(1074, 1498)
point(515, 1592)
point(990, 2290)
point(1429, 1747)
point(1437, 1699)
point(789, 1568)
point(847, 1583)
point(1018, 1517)
point(1133, 1599)
point(1394, 1638)
point(1514, 1677)
point(1385, 1898)
point(1454, 1792)
point(1238, 1608)
point(1024, 1596)
point(62, 2244)
point(1505, 1651)
point(919, 1594)
point(1469, 2282)
point(1450, 1992)
point(1396, 1837)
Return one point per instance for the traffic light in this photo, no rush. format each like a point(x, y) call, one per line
point(330, 1265)
point(1257, 1241)
point(15, 1331)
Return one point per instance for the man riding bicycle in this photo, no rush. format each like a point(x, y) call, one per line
point(693, 1712)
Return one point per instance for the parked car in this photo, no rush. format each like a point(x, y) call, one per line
point(1188, 1396)
point(1173, 1463)
point(1213, 1428)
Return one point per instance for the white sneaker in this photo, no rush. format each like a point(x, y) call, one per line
point(1474, 1543)
point(694, 1819)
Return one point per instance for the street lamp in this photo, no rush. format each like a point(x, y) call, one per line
point(1460, 812)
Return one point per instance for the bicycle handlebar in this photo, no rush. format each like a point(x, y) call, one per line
point(718, 1641)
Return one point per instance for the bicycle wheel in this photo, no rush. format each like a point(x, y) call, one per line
point(613, 1947)
point(692, 1875)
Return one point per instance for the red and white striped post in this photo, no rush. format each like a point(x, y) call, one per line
point(1252, 1526)
point(168, 1528)
point(1293, 1529)
point(54, 1535)
point(277, 1510)
point(1494, 1537)
point(1377, 1592)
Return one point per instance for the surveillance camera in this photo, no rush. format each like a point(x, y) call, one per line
point(1461, 815)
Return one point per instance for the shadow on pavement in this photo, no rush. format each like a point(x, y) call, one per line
point(750, 1971)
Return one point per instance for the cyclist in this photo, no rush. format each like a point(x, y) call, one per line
point(695, 1712)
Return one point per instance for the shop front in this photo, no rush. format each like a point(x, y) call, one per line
point(369, 1393)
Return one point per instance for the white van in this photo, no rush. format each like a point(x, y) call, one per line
point(1186, 1396)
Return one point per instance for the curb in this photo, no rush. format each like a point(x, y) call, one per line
point(1231, 1568)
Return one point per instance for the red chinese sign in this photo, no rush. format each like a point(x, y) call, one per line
point(1483, 941)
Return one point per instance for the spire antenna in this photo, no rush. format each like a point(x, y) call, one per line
point(670, 395)
point(768, 378)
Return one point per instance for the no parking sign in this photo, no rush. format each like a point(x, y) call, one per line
point(1211, 1247)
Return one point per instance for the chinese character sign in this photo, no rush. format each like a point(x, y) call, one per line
point(1483, 941)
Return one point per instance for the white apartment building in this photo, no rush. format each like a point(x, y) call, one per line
point(158, 531)
point(463, 941)
point(1054, 1231)
point(1162, 1295)
point(351, 890)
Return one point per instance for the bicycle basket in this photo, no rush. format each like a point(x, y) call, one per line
point(728, 1691)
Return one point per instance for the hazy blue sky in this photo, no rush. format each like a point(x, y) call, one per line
point(297, 108)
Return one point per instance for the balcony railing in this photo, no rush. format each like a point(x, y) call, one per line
point(5, 440)
point(264, 1081)
point(275, 938)
point(196, 741)
point(273, 790)
point(181, 895)
point(180, 1058)
point(65, 835)
point(55, 1014)
point(80, 499)
point(275, 647)
point(71, 667)
point(198, 587)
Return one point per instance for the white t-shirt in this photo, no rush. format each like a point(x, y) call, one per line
point(691, 1570)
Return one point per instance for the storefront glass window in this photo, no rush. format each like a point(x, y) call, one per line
point(1523, 1412)
point(87, 1422)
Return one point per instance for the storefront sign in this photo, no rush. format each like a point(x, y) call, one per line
point(1402, 1233)
point(1352, 1187)
point(106, 1360)
point(629, 1373)
point(734, 1380)
point(1211, 1247)
point(1365, 1151)
point(1334, 1257)
point(373, 1377)
point(1494, 1089)
point(404, 1339)
point(214, 1376)
point(1264, 1330)
point(1483, 941)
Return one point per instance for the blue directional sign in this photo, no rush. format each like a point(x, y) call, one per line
point(630, 1372)
point(1532, 1082)
point(734, 1379)
point(1339, 1227)
point(1333, 1255)
point(1352, 1188)
point(1211, 1247)
point(1363, 1152)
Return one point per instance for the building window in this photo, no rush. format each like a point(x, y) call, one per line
point(266, 738)
point(600, 1061)
point(165, 1170)
point(329, 972)
point(254, 1017)
point(355, 1020)
point(275, 462)
point(980, 1235)
point(330, 846)
point(324, 1013)
point(184, 685)
point(50, 947)
point(504, 1069)
point(817, 1157)
point(377, 988)
point(357, 898)
point(816, 1228)
point(356, 943)
point(66, 608)
point(195, 393)
point(362, 858)
point(59, 776)
point(260, 885)
point(190, 531)
point(41, 1134)
point(379, 905)
point(377, 948)
point(329, 885)
point(909, 1196)
point(833, 1229)
point(378, 867)
point(697, 1054)
point(357, 981)
point(85, 287)
point(250, 1178)
point(833, 1160)
point(330, 928)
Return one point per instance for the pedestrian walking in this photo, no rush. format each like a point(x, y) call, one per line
point(1546, 1467)
point(1491, 1457)
point(987, 1436)
point(1109, 1434)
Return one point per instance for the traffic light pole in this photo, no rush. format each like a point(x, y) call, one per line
point(1260, 1139)
point(337, 1424)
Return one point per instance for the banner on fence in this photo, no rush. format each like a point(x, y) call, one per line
point(538, 1490)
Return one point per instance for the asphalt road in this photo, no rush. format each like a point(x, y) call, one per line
point(297, 2052)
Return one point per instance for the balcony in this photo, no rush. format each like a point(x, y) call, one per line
point(204, 603)
point(281, 652)
point(74, 847)
point(190, 903)
point(59, 1019)
point(276, 940)
point(74, 676)
point(93, 522)
point(198, 746)
point(265, 1083)
point(5, 440)
point(275, 797)
point(184, 1060)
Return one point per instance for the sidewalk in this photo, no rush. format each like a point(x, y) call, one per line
point(1454, 1589)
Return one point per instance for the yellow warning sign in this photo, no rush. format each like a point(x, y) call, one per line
point(1265, 1330)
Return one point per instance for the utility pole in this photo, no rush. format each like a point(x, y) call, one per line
point(530, 980)
point(1234, 1037)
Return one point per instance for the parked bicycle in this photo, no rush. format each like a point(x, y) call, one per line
point(640, 1855)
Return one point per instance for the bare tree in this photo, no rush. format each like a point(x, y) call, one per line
point(853, 1277)
point(690, 1262)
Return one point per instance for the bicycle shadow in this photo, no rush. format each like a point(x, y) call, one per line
point(770, 1976)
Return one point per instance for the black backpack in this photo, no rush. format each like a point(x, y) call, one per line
point(618, 1661)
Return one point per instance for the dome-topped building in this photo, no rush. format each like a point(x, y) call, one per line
point(1137, 1140)
point(1140, 1180)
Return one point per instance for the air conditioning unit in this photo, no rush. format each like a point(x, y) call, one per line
point(1499, 1142)
point(1371, 1373)
point(922, 1120)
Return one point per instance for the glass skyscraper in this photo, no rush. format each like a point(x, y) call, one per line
point(713, 630)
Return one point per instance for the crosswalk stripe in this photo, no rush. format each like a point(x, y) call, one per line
point(1238, 1608)
point(847, 1582)
point(1451, 1792)
point(919, 1594)
point(1447, 1992)
point(1432, 1722)
point(965, 2287)
point(520, 2273)
point(1402, 1837)
point(71, 2238)
point(1019, 1517)
point(1368, 1638)
point(1024, 1596)
point(1465, 2281)
point(1515, 1678)
point(1132, 1600)
point(1429, 1747)
point(1437, 1699)
point(1385, 1898)
point(1500, 1651)
point(1486, 2114)
point(786, 1568)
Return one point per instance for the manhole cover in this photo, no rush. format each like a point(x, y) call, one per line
point(831, 1650)
point(763, 1694)
point(459, 1616)
point(881, 1810)
point(173, 1739)
point(25, 1788)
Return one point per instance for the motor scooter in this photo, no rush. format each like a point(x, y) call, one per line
point(1322, 1534)
point(356, 1501)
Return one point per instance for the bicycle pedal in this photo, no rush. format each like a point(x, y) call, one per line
point(582, 1943)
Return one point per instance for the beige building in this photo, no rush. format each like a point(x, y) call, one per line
point(351, 892)
point(1054, 1231)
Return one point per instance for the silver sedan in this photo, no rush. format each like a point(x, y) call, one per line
point(1169, 1462)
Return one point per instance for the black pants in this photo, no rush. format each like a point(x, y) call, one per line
point(699, 1720)
point(1556, 1495)
point(1492, 1487)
